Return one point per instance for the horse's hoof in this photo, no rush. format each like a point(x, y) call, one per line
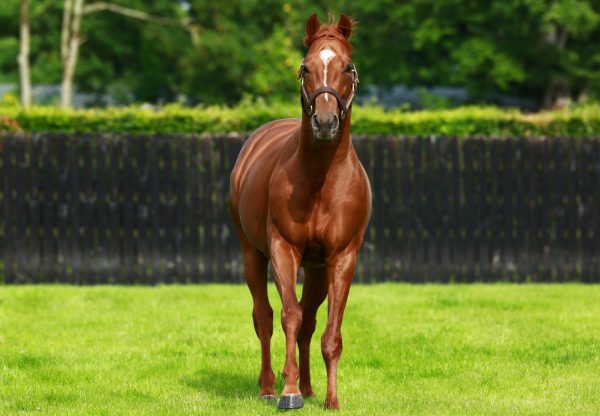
point(290, 401)
point(268, 397)
point(332, 405)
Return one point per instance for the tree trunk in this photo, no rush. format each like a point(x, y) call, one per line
point(557, 94)
point(66, 30)
point(70, 36)
point(72, 50)
point(23, 59)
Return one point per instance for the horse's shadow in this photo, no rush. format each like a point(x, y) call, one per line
point(225, 384)
point(232, 385)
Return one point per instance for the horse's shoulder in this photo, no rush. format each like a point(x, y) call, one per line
point(261, 149)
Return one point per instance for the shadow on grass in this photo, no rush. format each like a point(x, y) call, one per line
point(224, 384)
point(230, 385)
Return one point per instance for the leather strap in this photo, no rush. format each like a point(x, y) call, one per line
point(309, 101)
point(328, 90)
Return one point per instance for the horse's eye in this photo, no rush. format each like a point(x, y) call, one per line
point(303, 70)
point(349, 68)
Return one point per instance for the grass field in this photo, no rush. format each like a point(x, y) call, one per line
point(414, 350)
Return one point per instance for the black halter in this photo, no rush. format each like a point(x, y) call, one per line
point(308, 101)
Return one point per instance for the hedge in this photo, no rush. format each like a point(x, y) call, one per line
point(464, 121)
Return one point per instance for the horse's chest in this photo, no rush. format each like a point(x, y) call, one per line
point(313, 221)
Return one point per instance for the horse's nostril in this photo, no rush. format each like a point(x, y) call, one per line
point(335, 122)
point(315, 122)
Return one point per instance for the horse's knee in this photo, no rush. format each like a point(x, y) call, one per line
point(291, 318)
point(331, 346)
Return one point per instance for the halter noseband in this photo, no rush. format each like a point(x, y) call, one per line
point(309, 100)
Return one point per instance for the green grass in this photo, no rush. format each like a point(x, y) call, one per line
point(481, 350)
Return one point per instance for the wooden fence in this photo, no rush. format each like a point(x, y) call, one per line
point(91, 209)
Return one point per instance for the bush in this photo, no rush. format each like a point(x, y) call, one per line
point(244, 118)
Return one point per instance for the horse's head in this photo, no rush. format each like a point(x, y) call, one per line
point(328, 76)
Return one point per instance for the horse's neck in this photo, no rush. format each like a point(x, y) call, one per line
point(318, 158)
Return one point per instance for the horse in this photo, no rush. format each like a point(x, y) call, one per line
point(300, 197)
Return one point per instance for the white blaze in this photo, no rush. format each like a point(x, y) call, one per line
point(326, 56)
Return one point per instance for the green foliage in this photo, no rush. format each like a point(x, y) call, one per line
point(408, 350)
point(252, 47)
point(273, 76)
point(246, 117)
point(576, 16)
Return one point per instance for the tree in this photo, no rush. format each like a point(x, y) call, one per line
point(543, 50)
point(23, 59)
point(567, 21)
point(69, 48)
point(71, 37)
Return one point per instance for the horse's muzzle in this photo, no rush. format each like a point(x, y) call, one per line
point(325, 125)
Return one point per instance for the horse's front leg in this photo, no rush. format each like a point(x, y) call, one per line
point(285, 261)
point(340, 270)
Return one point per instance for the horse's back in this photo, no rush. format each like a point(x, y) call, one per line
point(249, 182)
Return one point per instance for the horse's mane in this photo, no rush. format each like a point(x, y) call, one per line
point(328, 30)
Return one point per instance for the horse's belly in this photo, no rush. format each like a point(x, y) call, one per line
point(253, 211)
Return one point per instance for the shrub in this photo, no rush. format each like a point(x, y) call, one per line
point(244, 118)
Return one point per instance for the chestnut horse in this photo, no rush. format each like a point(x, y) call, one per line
point(300, 197)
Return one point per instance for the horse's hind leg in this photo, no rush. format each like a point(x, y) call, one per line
point(314, 293)
point(255, 268)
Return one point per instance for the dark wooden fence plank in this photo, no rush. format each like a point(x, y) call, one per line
point(418, 214)
point(206, 255)
point(143, 225)
point(546, 231)
point(114, 224)
point(468, 212)
point(456, 240)
point(101, 211)
point(595, 210)
point(128, 213)
point(571, 206)
point(168, 225)
point(379, 208)
point(444, 177)
point(494, 233)
point(222, 230)
point(235, 252)
point(4, 179)
point(155, 252)
point(431, 208)
point(21, 220)
point(194, 209)
point(33, 201)
point(87, 172)
point(181, 260)
point(405, 213)
point(9, 172)
point(394, 208)
point(508, 204)
point(364, 269)
point(586, 196)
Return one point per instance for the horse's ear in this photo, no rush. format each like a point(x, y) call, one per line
point(344, 26)
point(312, 25)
